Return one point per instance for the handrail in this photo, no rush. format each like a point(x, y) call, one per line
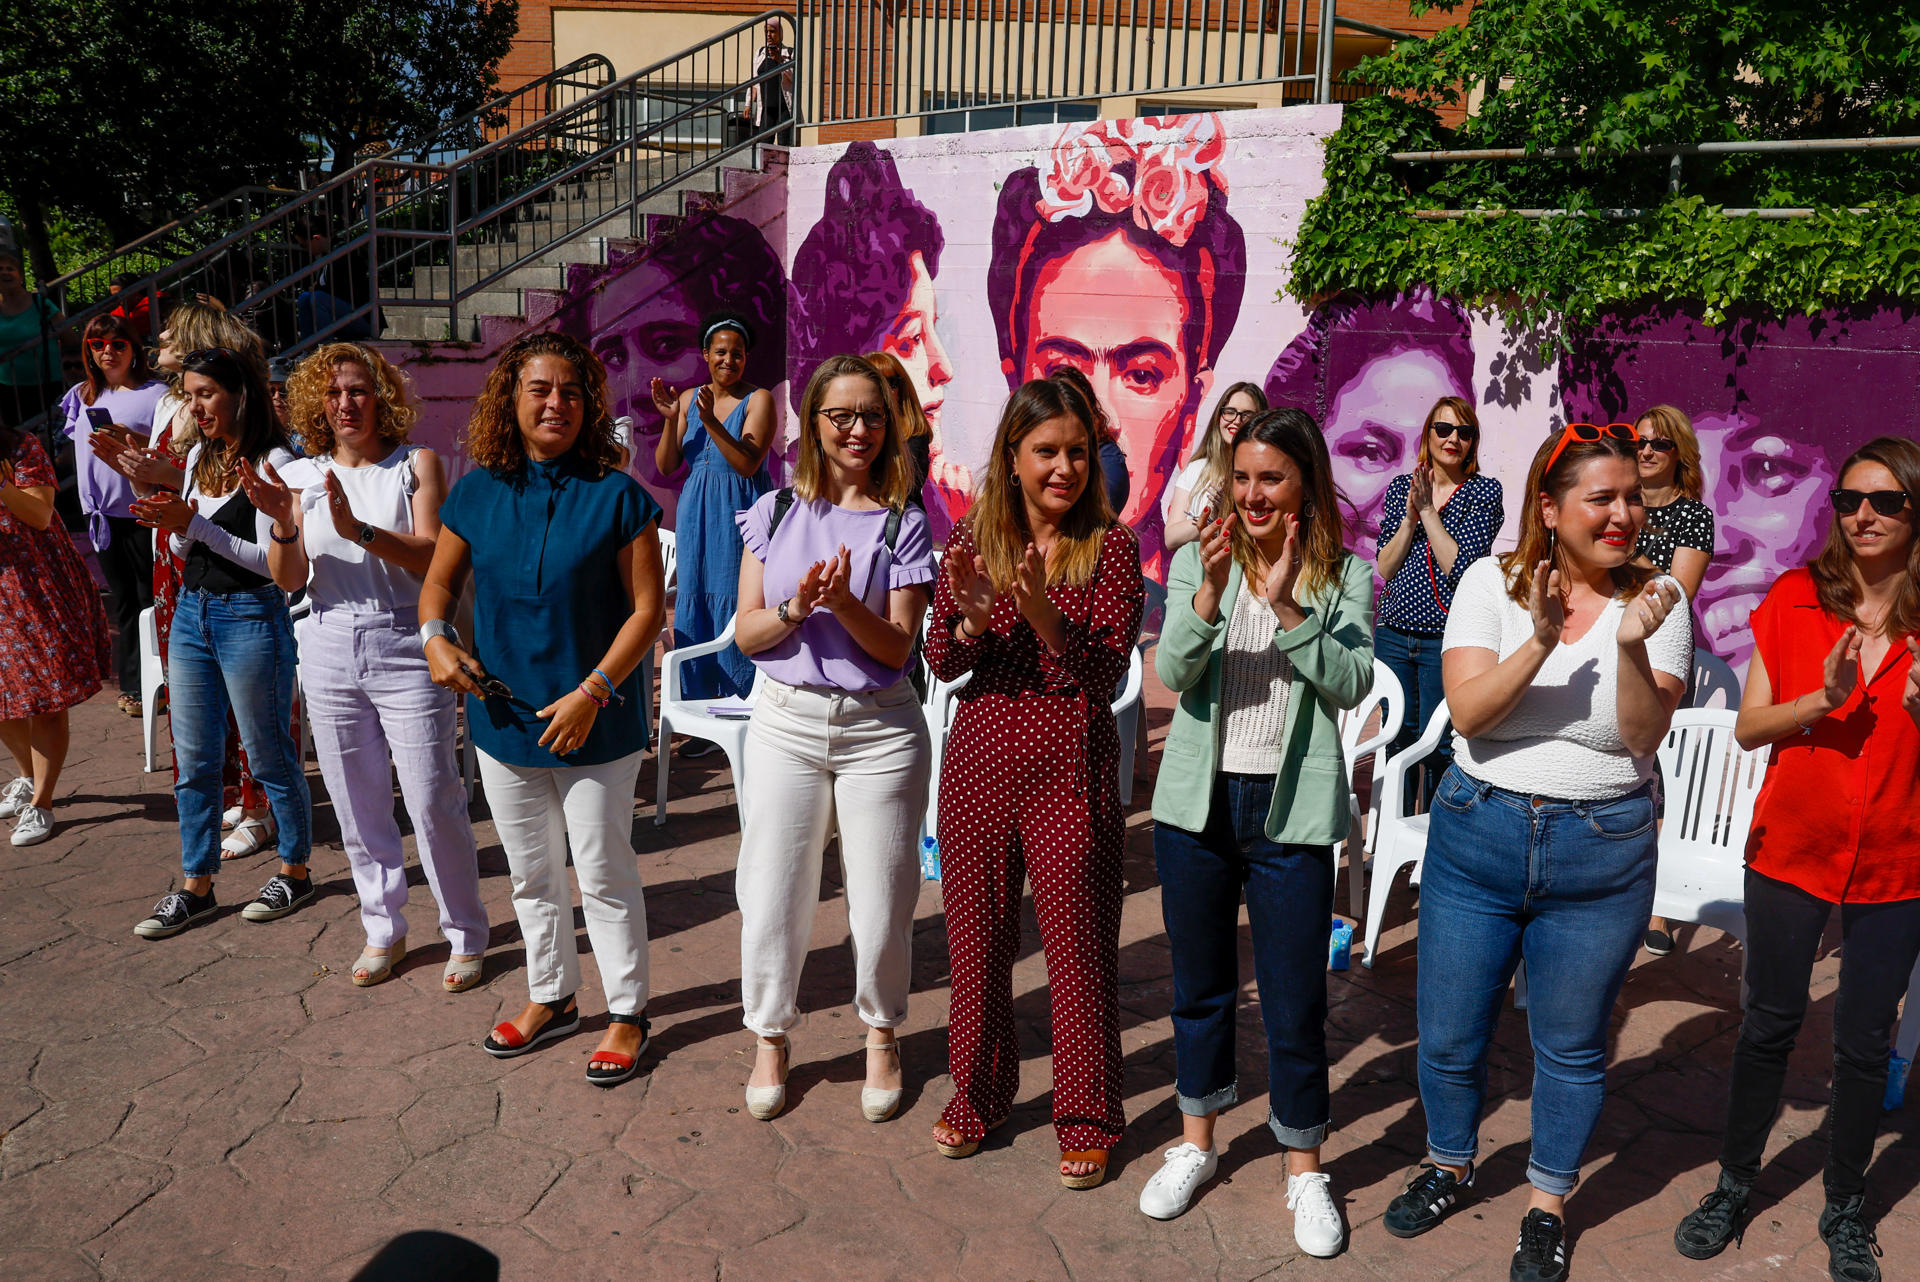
point(152, 284)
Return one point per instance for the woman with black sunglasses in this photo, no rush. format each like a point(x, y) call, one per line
point(1834, 686)
point(1439, 519)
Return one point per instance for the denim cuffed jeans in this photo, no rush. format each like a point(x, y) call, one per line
point(234, 650)
point(1289, 894)
point(1566, 885)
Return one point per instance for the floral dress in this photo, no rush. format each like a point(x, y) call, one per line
point(55, 649)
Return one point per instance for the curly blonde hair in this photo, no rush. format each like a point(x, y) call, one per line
point(493, 430)
point(307, 396)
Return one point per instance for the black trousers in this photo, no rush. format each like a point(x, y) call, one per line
point(1879, 943)
point(127, 562)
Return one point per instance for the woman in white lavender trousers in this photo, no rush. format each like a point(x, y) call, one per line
point(355, 524)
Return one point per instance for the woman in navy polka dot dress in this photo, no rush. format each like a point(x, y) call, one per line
point(1439, 519)
point(1041, 602)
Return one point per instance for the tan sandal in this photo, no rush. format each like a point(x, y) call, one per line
point(462, 975)
point(1092, 1179)
point(965, 1148)
point(378, 967)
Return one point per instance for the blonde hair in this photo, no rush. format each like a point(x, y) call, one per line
point(1216, 449)
point(913, 419)
point(891, 475)
point(1672, 422)
point(1464, 413)
point(307, 395)
point(998, 518)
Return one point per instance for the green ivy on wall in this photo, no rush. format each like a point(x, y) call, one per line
point(1612, 76)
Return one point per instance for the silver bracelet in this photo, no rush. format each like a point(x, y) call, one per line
point(440, 628)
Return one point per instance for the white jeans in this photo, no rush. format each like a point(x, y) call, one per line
point(815, 756)
point(538, 812)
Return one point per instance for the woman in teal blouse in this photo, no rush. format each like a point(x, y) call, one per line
point(557, 540)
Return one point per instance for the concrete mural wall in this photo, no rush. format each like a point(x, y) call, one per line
point(1151, 254)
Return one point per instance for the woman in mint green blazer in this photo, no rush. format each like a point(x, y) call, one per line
point(1269, 636)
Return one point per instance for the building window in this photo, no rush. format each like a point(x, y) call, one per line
point(957, 114)
point(706, 127)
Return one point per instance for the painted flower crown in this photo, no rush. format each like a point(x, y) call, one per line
point(1175, 162)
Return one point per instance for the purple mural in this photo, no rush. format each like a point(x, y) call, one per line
point(641, 315)
point(1117, 255)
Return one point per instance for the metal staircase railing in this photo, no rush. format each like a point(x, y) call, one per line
point(173, 260)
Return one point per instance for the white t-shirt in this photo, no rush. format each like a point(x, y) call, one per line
point(343, 574)
point(1184, 480)
point(1563, 738)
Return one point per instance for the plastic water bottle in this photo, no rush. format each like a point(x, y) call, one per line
point(929, 859)
point(1340, 946)
point(1896, 1083)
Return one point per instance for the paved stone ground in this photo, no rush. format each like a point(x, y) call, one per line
point(227, 1105)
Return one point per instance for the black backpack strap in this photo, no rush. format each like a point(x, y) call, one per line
point(782, 504)
point(894, 516)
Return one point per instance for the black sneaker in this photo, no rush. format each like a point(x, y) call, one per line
point(1659, 942)
point(1707, 1230)
point(1426, 1202)
point(175, 912)
point(281, 895)
point(1851, 1247)
point(1541, 1255)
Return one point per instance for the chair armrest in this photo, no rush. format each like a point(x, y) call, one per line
point(679, 656)
point(1130, 688)
point(1391, 786)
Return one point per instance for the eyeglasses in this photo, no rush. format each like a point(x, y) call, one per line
point(1885, 502)
point(108, 344)
point(1659, 444)
point(1234, 418)
point(843, 419)
point(1589, 433)
point(1443, 430)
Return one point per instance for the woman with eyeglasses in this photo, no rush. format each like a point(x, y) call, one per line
point(355, 523)
point(1200, 488)
point(111, 412)
point(232, 643)
point(1563, 664)
point(722, 432)
point(1834, 686)
point(1437, 521)
point(832, 590)
point(1040, 601)
point(568, 594)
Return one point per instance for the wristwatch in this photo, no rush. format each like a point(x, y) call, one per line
point(366, 536)
point(781, 612)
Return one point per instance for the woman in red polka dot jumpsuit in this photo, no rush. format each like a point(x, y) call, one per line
point(1041, 602)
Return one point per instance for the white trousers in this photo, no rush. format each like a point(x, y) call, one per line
point(538, 813)
point(817, 758)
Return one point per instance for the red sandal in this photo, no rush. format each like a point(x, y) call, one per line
point(507, 1041)
point(624, 1065)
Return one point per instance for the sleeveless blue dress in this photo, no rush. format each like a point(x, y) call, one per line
point(709, 551)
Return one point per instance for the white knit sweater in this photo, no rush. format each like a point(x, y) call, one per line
point(1254, 680)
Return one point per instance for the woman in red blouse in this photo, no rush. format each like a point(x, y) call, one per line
point(1835, 686)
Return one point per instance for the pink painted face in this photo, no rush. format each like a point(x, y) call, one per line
point(643, 327)
point(1373, 428)
point(912, 341)
point(1133, 354)
point(1766, 494)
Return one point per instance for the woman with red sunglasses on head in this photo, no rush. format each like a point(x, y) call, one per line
point(1438, 519)
point(121, 390)
point(1834, 686)
point(1563, 664)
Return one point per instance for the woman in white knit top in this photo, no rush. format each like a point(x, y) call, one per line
point(1563, 664)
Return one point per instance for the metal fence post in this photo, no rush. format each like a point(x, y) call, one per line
point(1323, 55)
point(453, 253)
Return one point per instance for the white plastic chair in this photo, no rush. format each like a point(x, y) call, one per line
point(669, 565)
point(1387, 695)
point(153, 679)
point(1713, 684)
point(1402, 838)
point(690, 717)
point(940, 708)
point(1711, 786)
point(1126, 712)
point(669, 589)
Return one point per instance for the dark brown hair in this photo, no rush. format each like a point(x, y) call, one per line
point(107, 325)
point(493, 429)
point(998, 517)
point(1322, 552)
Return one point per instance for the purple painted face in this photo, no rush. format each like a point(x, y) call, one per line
point(643, 327)
point(1766, 494)
point(1373, 428)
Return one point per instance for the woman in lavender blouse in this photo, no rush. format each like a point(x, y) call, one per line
point(831, 594)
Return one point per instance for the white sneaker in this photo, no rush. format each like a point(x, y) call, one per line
point(15, 796)
point(1317, 1229)
point(34, 826)
point(1170, 1192)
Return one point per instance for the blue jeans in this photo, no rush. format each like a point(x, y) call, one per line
point(234, 650)
point(1567, 885)
point(1414, 658)
point(1289, 893)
